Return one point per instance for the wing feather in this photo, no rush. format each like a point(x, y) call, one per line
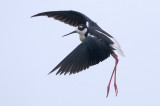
point(90, 52)
point(72, 18)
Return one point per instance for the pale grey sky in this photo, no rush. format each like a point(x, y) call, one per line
point(32, 47)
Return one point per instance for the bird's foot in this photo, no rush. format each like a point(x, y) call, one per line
point(116, 88)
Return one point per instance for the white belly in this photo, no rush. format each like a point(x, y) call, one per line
point(81, 37)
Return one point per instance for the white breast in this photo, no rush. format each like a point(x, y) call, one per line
point(81, 33)
point(81, 37)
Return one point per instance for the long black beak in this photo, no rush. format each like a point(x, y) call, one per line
point(69, 33)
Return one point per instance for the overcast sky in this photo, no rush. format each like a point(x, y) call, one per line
point(31, 47)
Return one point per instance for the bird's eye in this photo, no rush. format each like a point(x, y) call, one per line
point(80, 27)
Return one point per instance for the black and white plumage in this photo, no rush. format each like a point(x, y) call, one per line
point(96, 46)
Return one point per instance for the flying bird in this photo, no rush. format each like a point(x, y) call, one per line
point(96, 44)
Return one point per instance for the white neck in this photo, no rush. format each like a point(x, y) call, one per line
point(81, 33)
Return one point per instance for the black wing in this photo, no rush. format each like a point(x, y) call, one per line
point(101, 35)
point(90, 52)
point(72, 18)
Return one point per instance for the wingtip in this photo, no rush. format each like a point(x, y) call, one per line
point(39, 14)
point(50, 72)
point(33, 16)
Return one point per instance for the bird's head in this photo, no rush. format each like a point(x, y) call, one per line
point(80, 29)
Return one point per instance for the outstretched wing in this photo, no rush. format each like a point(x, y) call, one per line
point(72, 18)
point(90, 52)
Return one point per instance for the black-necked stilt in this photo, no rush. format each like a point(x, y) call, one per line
point(96, 46)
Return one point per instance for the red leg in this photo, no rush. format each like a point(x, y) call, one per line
point(115, 85)
point(114, 72)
